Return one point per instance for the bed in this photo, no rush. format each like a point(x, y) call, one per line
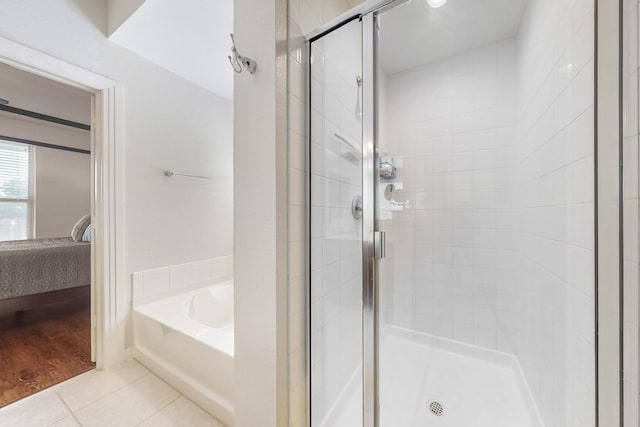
point(29, 267)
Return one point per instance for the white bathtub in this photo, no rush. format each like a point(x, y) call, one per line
point(187, 340)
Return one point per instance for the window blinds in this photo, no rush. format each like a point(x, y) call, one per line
point(14, 191)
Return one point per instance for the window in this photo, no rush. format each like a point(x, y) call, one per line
point(15, 191)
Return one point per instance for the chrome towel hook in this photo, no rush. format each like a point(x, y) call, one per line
point(238, 62)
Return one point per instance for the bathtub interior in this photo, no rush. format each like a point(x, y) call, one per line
point(205, 314)
point(212, 306)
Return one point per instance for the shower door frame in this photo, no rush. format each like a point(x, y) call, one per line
point(369, 188)
point(608, 214)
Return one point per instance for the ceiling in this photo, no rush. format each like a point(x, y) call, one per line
point(414, 33)
point(188, 37)
point(191, 37)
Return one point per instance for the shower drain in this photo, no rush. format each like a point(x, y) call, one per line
point(436, 408)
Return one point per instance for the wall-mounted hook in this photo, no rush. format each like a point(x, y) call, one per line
point(238, 62)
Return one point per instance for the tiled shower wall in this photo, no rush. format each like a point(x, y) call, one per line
point(450, 130)
point(555, 186)
point(304, 17)
point(495, 245)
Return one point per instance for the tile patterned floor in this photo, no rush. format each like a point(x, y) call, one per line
point(126, 395)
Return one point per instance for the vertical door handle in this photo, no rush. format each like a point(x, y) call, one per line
point(380, 244)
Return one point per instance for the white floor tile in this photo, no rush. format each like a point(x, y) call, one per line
point(41, 409)
point(129, 405)
point(181, 412)
point(69, 421)
point(87, 388)
point(123, 396)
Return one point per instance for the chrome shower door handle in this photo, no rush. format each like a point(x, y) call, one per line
point(356, 207)
point(379, 244)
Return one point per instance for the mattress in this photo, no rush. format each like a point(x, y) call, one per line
point(34, 266)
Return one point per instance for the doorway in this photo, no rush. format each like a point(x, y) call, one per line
point(108, 282)
point(45, 233)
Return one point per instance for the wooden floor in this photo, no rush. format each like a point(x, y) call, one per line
point(42, 347)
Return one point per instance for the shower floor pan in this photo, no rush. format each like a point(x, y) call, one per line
point(435, 382)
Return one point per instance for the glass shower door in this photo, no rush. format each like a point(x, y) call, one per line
point(336, 227)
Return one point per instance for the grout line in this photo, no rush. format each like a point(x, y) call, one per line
point(73, 415)
point(115, 390)
point(162, 408)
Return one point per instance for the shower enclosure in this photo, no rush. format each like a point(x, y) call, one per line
point(453, 215)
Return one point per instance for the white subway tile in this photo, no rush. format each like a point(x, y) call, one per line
point(156, 281)
point(201, 271)
point(221, 267)
point(181, 275)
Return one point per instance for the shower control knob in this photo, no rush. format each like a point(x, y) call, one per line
point(356, 207)
point(387, 171)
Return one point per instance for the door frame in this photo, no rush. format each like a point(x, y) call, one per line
point(108, 290)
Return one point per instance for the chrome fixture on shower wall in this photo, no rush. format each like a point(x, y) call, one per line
point(239, 62)
point(387, 171)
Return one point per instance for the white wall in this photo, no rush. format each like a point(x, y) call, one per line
point(62, 179)
point(260, 216)
point(169, 123)
point(62, 191)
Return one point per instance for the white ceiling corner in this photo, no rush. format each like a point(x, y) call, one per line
point(188, 37)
